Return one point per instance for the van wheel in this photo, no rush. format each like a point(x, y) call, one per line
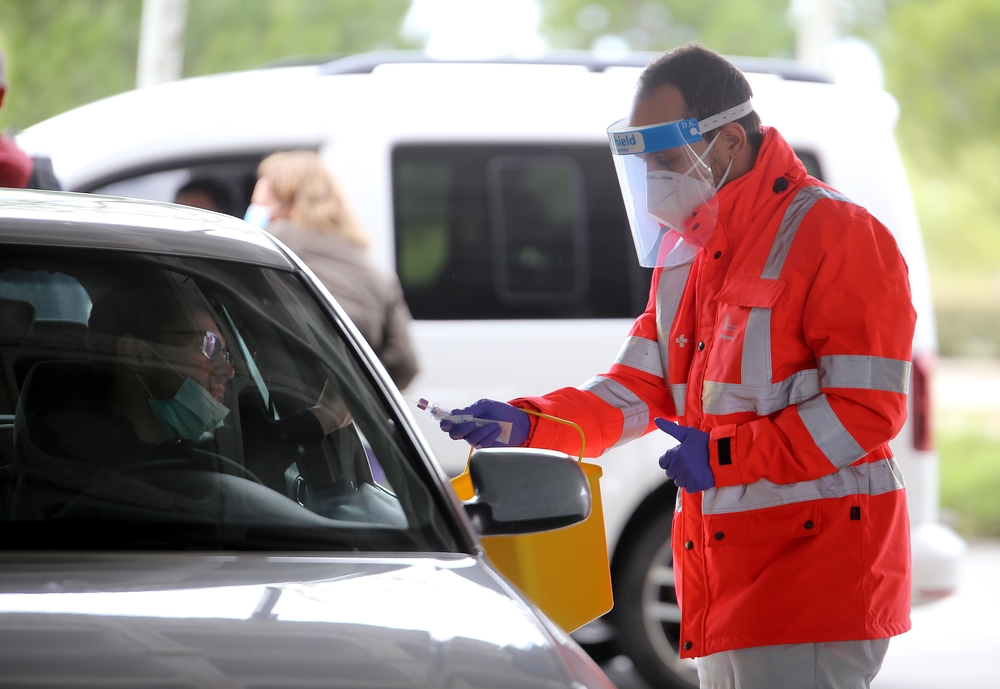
point(646, 614)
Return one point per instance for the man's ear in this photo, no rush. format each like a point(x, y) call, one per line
point(733, 141)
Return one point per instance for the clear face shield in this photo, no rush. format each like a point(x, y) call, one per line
point(666, 183)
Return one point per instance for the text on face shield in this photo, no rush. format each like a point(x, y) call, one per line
point(629, 142)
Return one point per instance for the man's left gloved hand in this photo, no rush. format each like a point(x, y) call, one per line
point(688, 463)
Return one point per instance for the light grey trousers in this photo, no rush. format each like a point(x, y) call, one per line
point(828, 665)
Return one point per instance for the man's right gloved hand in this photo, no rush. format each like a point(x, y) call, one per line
point(486, 435)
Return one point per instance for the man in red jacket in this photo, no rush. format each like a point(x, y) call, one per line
point(17, 169)
point(777, 335)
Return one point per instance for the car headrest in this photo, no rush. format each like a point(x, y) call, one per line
point(58, 384)
point(16, 317)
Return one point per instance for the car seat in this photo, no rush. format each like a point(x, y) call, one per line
point(16, 317)
point(50, 385)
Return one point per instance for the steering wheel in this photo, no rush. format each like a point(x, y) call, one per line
point(159, 464)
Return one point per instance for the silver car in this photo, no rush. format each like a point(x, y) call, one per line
point(207, 479)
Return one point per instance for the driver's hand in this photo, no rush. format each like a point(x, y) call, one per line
point(330, 408)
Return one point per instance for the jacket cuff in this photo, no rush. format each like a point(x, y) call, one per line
point(722, 456)
point(531, 404)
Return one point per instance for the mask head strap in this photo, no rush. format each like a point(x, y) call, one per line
point(725, 117)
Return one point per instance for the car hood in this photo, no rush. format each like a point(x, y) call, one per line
point(269, 621)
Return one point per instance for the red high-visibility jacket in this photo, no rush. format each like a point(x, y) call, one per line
point(788, 339)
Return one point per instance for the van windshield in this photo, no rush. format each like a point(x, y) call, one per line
point(175, 403)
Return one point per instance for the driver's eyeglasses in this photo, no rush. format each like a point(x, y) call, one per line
point(211, 347)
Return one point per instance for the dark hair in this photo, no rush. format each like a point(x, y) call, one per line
point(221, 196)
point(708, 82)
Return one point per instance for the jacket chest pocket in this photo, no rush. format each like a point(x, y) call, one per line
point(741, 352)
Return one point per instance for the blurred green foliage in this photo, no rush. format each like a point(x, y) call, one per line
point(262, 31)
point(64, 53)
point(942, 61)
point(970, 481)
point(736, 27)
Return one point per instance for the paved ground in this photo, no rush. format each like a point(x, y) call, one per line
point(954, 644)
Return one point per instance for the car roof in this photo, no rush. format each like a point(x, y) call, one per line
point(106, 222)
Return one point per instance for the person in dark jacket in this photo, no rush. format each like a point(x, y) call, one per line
point(17, 168)
point(298, 200)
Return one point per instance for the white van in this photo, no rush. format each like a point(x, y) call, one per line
point(490, 189)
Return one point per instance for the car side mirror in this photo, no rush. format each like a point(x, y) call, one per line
point(520, 491)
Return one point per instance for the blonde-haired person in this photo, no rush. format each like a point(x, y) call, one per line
point(298, 200)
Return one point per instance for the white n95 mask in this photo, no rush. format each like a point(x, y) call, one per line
point(672, 197)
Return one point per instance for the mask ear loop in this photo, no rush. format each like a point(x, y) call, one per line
point(139, 378)
point(157, 355)
point(725, 175)
point(701, 159)
point(143, 384)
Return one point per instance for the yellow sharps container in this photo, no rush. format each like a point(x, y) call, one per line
point(564, 572)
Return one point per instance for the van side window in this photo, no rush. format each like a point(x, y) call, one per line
point(507, 231)
point(539, 230)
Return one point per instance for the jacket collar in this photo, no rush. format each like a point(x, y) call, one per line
point(746, 198)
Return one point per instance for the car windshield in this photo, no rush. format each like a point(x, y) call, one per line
point(153, 402)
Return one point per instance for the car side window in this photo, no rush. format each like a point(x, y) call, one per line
point(181, 402)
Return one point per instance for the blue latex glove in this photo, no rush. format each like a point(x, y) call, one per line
point(486, 436)
point(688, 463)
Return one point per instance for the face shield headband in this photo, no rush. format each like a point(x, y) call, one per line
point(665, 183)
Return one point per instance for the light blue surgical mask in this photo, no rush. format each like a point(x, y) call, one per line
point(258, 215)
point(191, 414)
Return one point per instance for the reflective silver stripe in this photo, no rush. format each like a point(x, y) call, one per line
point(864, 372)
point(634, 411)
point(668, 299)
point(875, 478)
point(828, 432)
point(756, 365)
point(730, 398)
point(679, 392)
point(756, 392)
point(797, 209)
point(642, 354)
